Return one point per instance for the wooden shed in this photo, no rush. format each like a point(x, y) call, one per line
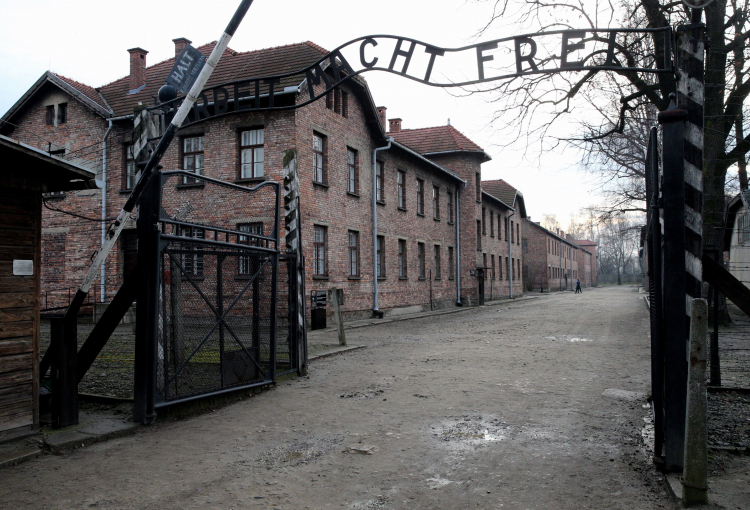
point(27, 174)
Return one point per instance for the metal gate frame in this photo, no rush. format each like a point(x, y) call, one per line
point(153, 242)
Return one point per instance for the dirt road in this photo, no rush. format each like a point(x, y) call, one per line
point(532, 404)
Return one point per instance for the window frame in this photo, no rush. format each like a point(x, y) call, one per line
point(320, 262)
point(403, 261)
point(252, 148)
point(436, 202)
point(320, 156)
point(380, 182)
point(128, 163)
point(492, 223)
point(352, 171)
point(354, 260)
point(420, 197)
point(252, 228)
point(437, 262)
point(401, 189)
point(49, 115)
point(195, 267)
point(421, 267)
point(451, 265)
point(192, 181)
point(450, 208)
point(380, 258)
point(62, 113)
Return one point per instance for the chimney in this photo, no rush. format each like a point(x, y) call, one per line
point(179, 44)
point(137, 67)
point(394, 125)
point(381, 114)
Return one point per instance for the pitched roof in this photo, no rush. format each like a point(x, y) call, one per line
point(506, 193)
point(232, 66)
point(86, 90)
point(436, 139)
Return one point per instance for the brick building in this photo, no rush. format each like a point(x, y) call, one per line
point(555, 260)
point(435, 230)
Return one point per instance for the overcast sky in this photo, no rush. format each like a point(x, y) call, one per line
point(87, 40)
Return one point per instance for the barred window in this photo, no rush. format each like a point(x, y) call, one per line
point(245, 263)
point(251, 153)
point(192, 256)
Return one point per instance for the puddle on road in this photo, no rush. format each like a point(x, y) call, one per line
point(567, 338)
point(469, 432)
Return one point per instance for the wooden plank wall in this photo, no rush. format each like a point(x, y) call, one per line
point(20, 238)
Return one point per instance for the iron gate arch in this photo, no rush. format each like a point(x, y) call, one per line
point(208, 304)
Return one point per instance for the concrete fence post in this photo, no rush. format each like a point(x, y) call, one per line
point(337, 297)
point(695, 472)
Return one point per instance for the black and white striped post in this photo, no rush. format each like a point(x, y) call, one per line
point(293, 224)
point(161, 148)
point(682, 200)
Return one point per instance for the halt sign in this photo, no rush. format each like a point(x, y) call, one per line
point(186, 69)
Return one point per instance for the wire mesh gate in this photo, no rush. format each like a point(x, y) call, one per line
point(209, 316)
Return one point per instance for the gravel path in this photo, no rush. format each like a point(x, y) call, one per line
point(533, 404)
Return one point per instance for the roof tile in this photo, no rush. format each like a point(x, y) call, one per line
point(435, 139)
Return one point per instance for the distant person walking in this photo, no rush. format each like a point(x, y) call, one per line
point(578, 286)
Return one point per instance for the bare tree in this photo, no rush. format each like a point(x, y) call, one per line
point(618, 245)
point(549, 221)
point(620, 104)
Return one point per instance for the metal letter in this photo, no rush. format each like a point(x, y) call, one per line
point(201, 109)
point(341, 65)
point(237, 105)
point(434, 52)
point(528, 58)
point(481, 59)
point(569, 48)
point(221, 104)
point(399, 52)
point(371, 63)
point(314, 79)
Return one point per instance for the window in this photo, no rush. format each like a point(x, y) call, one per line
point(353, 253)
point(484, 224)
point(320, 163)
point(352, 171)
point(50, 115)
point(319, 250)
point(420, 260)
point(379, 181)
point(450, 207)
point(437, 261)
point(380, 257)
point(548, 246)
point(436, 202)
point(192, 256)
point(500, 267)
point(420, 197)
point(479, 235)
point(62, 113)
point(484, 263)
point(518, 262)
point(251, 153)
point(131, 170)
point(511, 232)
point(246, 261)
point(499, 225)
point(402, 258)
point(513, 267)
point(492, 224)
point(507, 220)
point(401, 185)
point(518, 234)
point(451, 269)
point(507, 267)
point(192, 158)
point(492, 257)
point(479, 187)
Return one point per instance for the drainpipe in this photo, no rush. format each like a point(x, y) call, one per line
point(375, 223)
point(510, 254)
point(104, 205)
point(458, 245)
